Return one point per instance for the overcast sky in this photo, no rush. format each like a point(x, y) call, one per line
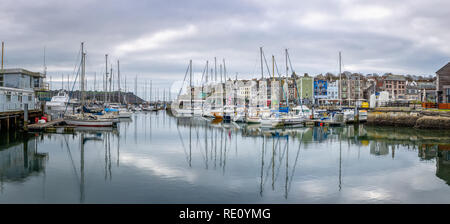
point(154, 40)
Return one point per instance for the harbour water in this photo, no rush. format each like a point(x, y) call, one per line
point(156, 158)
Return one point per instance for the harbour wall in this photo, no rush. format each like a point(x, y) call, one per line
point(408, 118)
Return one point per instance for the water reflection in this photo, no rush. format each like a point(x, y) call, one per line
point(19, 158)
point(274, 146)
point(156, 158)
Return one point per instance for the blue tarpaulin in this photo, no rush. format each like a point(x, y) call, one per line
point(111, 110)
point(284, 109)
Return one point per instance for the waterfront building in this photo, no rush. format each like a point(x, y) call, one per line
point(396, 86)
point(305, 87)
point(320, 89)
point(356, 86)
point(412, 90)
point(345, 88)
point(443, 84)
point(333, 92)
point(370, 87)
point(426, 90)
point(18, 87)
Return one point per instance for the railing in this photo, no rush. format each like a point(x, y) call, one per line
point(444, 106)
point(429, 105)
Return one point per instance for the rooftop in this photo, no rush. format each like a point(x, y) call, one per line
point(21, 71)
point(396, 77)
point(444, 69)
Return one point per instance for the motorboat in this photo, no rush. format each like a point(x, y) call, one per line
point(59, 104)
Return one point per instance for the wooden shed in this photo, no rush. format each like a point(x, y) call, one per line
point(443, 84)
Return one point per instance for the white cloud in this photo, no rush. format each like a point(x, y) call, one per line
point(156, 40)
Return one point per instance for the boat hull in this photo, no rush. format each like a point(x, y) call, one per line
point(92, 123)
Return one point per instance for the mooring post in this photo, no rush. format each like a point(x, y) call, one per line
point(25, 117)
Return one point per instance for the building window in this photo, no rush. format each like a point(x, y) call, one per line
point(36, 82)
point(29, 98)
point(1, 80)
point(448, 95)
point(20, 98)
point(8, 97)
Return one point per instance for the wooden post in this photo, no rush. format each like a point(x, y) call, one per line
point(25, 117)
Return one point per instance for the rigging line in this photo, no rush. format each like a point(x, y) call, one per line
point(73, 86)
point(76, 64)
point(290, 64)
point(203, 74)
point(279, 165)
point(201, 152)
point(267, 66)
point(295, 164)
point(182, 142)
point(71, 159)
point(187, 70)
point(271, 161)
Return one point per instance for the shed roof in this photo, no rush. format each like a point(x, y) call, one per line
point(21, 71)
point(444, 70)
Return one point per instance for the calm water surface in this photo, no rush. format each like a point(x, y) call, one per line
point(156, 158)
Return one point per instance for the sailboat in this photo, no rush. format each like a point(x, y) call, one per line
point(83, 119)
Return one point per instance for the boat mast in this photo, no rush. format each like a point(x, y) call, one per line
point(118, 79)
point(340, 81)
point(82, 78)
point(110, 84)
point(190, 86)
point(287, 79)
point(105, 84)
point(273, 81)
point(262, 69)
point(215, 69)
point(150, 100)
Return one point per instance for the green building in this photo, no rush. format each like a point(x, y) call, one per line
point(305, 87)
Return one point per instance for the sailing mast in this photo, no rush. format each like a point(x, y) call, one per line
point(150, 100)
point(287, 79)
point(340, 81)
point(190, 87)
point(118, 79)
point(105, 84)
point(110, 85)
point(82, 77)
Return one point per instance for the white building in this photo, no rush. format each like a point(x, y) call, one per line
point(333, 91)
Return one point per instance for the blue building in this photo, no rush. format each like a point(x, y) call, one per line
point(320, 91)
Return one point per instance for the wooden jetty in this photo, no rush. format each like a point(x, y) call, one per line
point(15, 119)
point(48, 126)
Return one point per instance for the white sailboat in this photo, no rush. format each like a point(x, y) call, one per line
point(84, 119)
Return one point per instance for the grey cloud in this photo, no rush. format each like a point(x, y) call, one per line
point(377, 36)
